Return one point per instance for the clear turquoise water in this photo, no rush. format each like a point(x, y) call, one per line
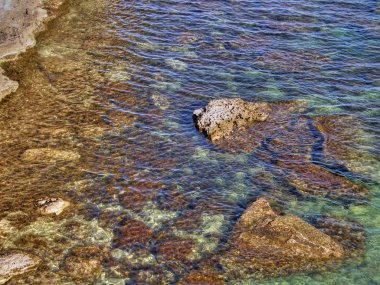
point(327, 54)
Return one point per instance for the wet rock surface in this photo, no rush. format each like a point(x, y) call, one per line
point(265, 244)
point(19, 21)
point(235, 124)
point(52, 206)
point(16, 263)
point(221, 117)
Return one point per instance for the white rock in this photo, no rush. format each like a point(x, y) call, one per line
point(52, 206)
point(16, 263)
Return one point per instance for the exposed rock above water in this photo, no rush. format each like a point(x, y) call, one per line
point(221, 117)
point(235, 124)
point(52, 206)
point(266, 244)
point(16, 263)
point(20, 20)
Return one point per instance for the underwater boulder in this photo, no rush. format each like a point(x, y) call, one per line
point(293, 144)
point(309, 178)
point(133, 232)
point(267, 244)
point(345, 142)
point(196, 278)
point(16, 263)
point(85, 262)
point(349, 234)
point(176, 249)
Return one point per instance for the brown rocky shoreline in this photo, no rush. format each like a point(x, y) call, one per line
point(20, 21)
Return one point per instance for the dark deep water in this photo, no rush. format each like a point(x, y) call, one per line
point(117, 82)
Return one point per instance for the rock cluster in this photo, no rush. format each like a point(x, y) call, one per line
point(287, 138)
point(266, 244)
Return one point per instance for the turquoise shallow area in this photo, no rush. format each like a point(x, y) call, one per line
point(181, 54)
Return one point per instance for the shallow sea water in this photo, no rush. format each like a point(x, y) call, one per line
point(117, 82)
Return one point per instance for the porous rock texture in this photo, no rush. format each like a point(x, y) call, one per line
point(235, 124)
point(221, 117)
point(16, 263)
point(267, 244)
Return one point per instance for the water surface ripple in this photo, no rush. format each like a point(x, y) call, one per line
point(124, 82)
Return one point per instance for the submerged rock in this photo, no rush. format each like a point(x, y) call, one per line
point(188, 38)
point(160, 101)
point(49, 155)
point(199, 278)
point(221, 117)
point(344, 142)
point(292, 61)
point(16, 263)
point(267, 244)
point(132, 232)
point(176, 249)
point(85, 263)
point(83, 268)
point(349, 234)
point(312, 179)
point(293, 144)
point(52, 206)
